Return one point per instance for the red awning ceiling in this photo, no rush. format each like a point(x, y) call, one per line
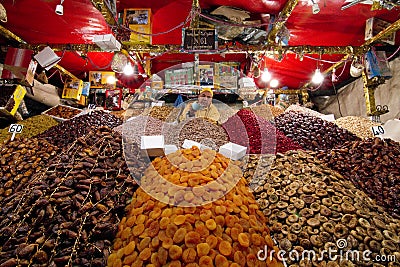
point(36, 23)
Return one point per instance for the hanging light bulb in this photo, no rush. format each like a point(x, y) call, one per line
point(274, 83)
point(317, 77)
point(266, 75)
point(128, 69)
point(315, 7)
point(111, 79)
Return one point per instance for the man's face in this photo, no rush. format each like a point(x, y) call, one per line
point(205, 99)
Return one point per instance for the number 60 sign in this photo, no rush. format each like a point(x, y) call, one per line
point(14, 129)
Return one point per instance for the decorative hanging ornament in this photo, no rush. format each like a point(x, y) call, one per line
point(3, 14)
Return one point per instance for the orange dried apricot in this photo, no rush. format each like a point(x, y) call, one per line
point(117, 263)
point(131, 221)
point(164, 222)
point(145, 254)
point(202, 249)
point(137, 263)
point(171, 229)
point(244, 239)
point(190, 218)
point(138, 229)
point(211, 224)
point(126, 233)
point(155, 242)
point(206, 261)
point(256, 239)
point(230, 220)
point(130, 258)
point(154, 259)
point(162, 235)
point(202, 230)
point(221, 261)
point(192, 239)
point(205, 215)
point(220, 210)
point(174, 264)
point(237, 200)
point(189, 255)
point(180, 219)
point(175, 252)
point(153, 229)
point(144, 243)
point(239, 258)
point(155, 213)
point(252, 260)
point(234, 264)
point(129, 248)
point(162, 255)
point(140, 219)
point(179, 236)
point(117, 244)
point(167, 243)
point(235, 233)
point(225, 248)
point(212, 241)
point(220, 220)
point(166, 213)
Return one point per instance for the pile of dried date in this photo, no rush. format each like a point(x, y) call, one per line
point(20, 160)
point(68, 215)
point(65, 133)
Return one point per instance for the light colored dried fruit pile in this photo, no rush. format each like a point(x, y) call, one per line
point(357, 125)
point(276, 110)
point(263, 111)
point(164, 113)
point(226, 232)
point(312, 208)
point(133, 129)
point(201, 130)
point(32, 126)
point(303, 110)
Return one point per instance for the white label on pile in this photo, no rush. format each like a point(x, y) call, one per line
point(15, 128)
point(377, 130)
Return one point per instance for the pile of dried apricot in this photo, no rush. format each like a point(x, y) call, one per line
point(229, 231)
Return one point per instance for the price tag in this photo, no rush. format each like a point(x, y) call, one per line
point(377, 130)
point(92, 106)
point(14, 129)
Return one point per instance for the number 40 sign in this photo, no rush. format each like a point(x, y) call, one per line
point(14, 129)
point(377, 130)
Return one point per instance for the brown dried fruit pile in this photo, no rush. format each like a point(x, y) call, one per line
point(227, 232)
point(314, 209)
point(68, 215)
point(20, 160)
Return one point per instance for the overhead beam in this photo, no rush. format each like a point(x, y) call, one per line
point(9, 35)
point(177, 49)
point(281, 20)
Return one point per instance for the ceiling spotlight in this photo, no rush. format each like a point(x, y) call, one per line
point(266, 75)
point(315, 7)
point(60, 8)
point(128, 69)
point(317, 77)
point(274, 83)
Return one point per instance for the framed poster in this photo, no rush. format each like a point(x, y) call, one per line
point(101, 79)
point(226, 75)
point(179, 77)
point(139, 21)
point(206, 75)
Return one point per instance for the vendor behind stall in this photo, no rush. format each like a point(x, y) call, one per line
point(202, 108)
